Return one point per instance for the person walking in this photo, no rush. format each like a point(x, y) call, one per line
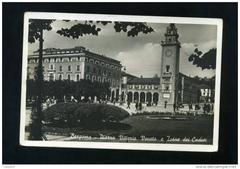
point(174, 107)
point(204, 108)
point(136, 105)
point(128, 104)
point(190, 107)
point(140, 106)
point(165, 104)
point(48, 102)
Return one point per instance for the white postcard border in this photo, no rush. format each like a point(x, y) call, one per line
point(113, 145)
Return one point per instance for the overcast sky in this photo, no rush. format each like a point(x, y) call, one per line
point(142, 54)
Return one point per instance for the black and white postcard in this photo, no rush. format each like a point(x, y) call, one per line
point(121, 82)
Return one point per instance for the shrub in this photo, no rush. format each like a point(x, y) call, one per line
point(86, 113)
point(60, 112)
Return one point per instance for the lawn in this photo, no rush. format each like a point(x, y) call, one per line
point(142, 125)
point(200, 126)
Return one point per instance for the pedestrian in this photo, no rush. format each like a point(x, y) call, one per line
point(174, 107)
point(48, 102)
point(165, 104)
point(136, 105)
point(34, 106)
point(140, 106)
point(177, 106)
point(208, 108)
point(190, 107)
point(128, 104)
point(204, 108)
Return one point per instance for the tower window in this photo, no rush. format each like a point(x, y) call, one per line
point(69, 68)
point(60, 68)
point(78, 67)
point(167, 68)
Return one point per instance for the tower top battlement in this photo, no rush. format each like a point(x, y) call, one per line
point(171, 35)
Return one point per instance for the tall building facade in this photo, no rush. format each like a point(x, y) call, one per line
point(170, 66)
point(76, 64)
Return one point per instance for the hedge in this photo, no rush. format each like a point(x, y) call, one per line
point(85, 113)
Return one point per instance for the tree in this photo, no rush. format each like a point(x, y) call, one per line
point(36, 29)
point(205, 61)
point(89, 27)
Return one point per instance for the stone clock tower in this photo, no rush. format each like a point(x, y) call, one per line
point(170, 66)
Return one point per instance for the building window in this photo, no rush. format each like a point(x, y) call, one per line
point(78, 67)
point(32, 61)
point(51, 67)
point(166, 87)
point(78, 78)
point(88, 68)
point(60, 77)
point(73, 59)
point(69, 68)
point(51, 77)
point(94, 70)
point(87, 77)
point(167, 79)
point(167, 68)
point(69, 77)
point(60, 68)
point(65, 59)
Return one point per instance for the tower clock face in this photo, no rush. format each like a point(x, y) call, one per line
point(168, 52)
